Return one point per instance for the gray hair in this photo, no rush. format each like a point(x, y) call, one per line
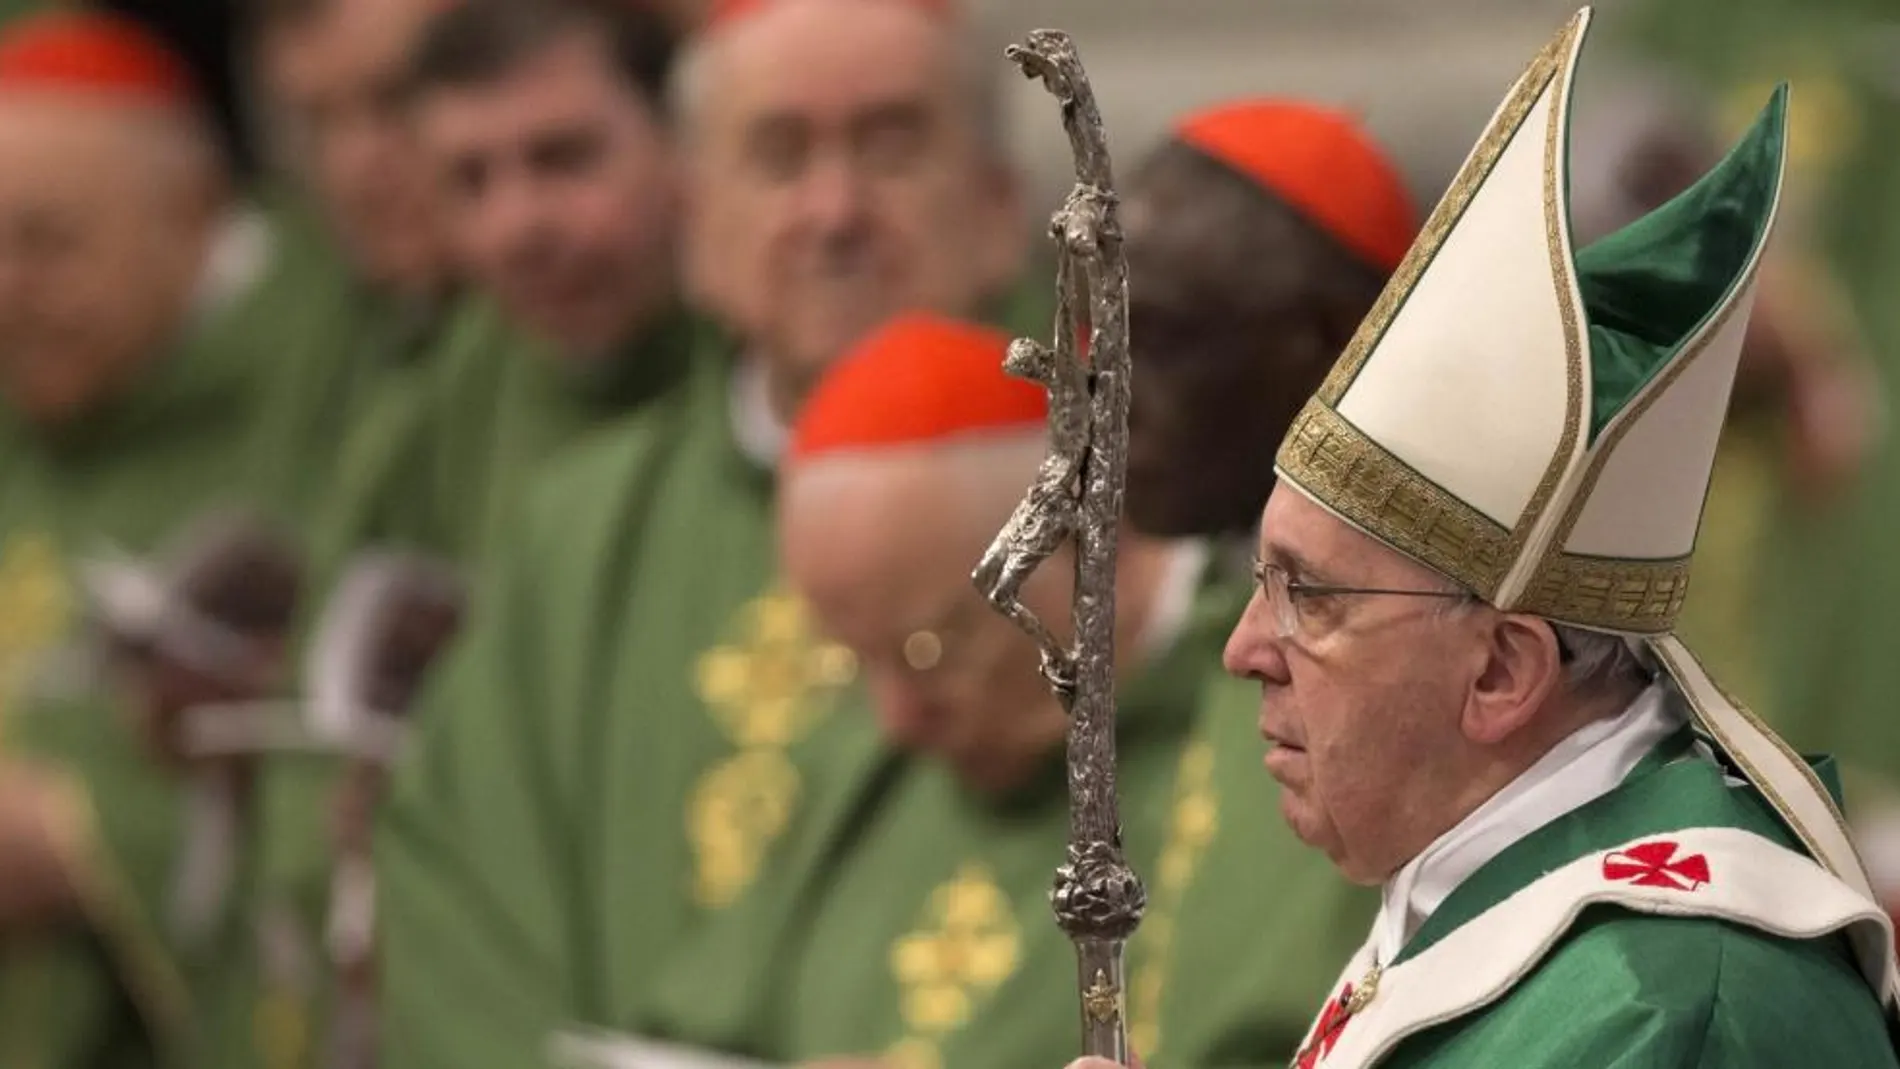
point(976, 59)
point(1597, 661)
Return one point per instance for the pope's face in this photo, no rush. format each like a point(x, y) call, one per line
point(839, 178)
point(1361, 704)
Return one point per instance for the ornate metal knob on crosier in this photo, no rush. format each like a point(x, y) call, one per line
point(1077, 498)
point(1097, 895)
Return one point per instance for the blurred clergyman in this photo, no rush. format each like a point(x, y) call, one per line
point(1259, 234)
point(907, 909)
point(549, 151)
point(635, 654)
point(127, 269)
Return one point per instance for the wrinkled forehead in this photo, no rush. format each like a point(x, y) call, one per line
point(1304, 537)
point(70, 147)
point(829, 63)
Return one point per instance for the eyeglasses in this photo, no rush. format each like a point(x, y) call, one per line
point(1284, 595)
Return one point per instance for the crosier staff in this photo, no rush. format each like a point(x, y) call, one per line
point(1077, 495)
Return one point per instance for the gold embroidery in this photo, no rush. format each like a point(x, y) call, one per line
point(1369, 487)
point(1378, 491)
point(1102, 1000)
point(1557, 243)
point(280, 1030)
point(767, 689)
point(1445, 216)
point(1641, 597)
point(966, 945)
point(759, 687)
point(1196, 821)
point(737, 811)
point(1667, 650)
point(35, 610)
point(914, 1053)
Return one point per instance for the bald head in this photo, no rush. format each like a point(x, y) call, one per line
point(882, 545)
point(894, 522)
point(107, 209)
point(843, 171)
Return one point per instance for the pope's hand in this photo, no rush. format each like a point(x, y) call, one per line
point(1104, 1063)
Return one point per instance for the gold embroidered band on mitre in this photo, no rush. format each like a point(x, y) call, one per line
point(1355, 477)
point(1351, 475)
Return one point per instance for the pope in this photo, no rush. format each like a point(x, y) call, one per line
point(1468, 576)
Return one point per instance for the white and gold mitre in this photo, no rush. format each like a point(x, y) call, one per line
point(1535, 420)
point(1539, 422)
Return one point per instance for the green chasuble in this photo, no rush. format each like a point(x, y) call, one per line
point(606, 754)
point(334, 354)
point(501, 405)
point(441, 460)
point(112, 992)
point(909, 919)
point(616, 743)
point(1634, 990)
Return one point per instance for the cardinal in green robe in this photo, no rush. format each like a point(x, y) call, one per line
point(632, 649)
point(908, 920)
point(356, 201)
point(1587, 852)
point(570, 321)
point(129, 386)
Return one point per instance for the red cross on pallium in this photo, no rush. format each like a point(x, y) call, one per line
point(1331, 1023)
point(1656, 865)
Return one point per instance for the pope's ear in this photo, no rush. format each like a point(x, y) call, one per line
point(1523, 667)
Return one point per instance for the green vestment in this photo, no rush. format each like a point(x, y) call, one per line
point(614, 746)
point(335, 356)
point(910, 920)
point(442, 462)
point(1633, 990)
point(607, 751)
point(114, 991)
point(499, 406)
